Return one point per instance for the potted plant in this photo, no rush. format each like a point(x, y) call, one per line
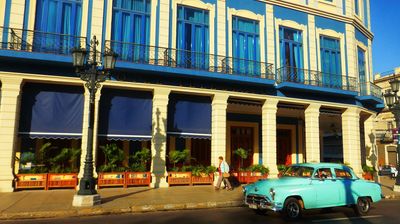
point(63, 170)
point(258, 172)
point(176, 177)
point(139, 174)
point(281, 169)
point(112, 171)
point(203, 175)
point(33, 172)
point(242, 175)
point(368, 172)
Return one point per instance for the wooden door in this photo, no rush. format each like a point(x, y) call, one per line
point(242, 137)
point(284, 147)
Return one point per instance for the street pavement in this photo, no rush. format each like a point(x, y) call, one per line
point(58, 203)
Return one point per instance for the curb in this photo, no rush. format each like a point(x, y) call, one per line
point(108, 211)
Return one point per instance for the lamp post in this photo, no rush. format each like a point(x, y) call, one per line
point(92, 74)
point(393, 103)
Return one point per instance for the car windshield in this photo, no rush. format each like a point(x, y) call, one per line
point(298, 171)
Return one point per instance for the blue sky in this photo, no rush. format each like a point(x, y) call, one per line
point(385, 21)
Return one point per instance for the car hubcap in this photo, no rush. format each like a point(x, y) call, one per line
point(363, 205)
point(293, 210)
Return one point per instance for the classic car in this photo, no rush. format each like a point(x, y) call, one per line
point(310, 186)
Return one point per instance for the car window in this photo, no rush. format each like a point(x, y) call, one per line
point(298, 171)
point(342, 174)
point(324, 173)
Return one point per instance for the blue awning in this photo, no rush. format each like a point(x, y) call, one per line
point(125, 115)
point(189, 116)
point(51, 111)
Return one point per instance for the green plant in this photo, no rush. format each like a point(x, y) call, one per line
point(198, 170)
point(65, 161)
point(210, 169)
point(259, 168)
point(27, 157)
point(140, 159)
point(178, 157)
point(242, 153)
point(186, 168)
point(113, 158)
point(368, 169)
point(281, 167)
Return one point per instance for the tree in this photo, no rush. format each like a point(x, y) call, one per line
point(242, 153)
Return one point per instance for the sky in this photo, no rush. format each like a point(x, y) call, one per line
point(385, 21)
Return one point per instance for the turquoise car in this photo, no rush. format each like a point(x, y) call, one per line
point(311, 186)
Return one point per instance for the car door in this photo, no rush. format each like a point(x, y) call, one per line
point(346, 182)
point(325, 188)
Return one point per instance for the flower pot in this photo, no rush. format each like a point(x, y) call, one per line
point(179, 178)
point(62, 180)
point(111, 179)
point(31, 181)
point(137, 178)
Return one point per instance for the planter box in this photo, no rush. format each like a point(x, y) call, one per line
point(137, 178)
point(243, 177)
point(367, 176)
point(179, 178)
point(62, 180)
point(203, 179)
point(255, 176)
point(111, 179)
point(29, 181)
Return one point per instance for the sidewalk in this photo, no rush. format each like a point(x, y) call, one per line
point(58, 203)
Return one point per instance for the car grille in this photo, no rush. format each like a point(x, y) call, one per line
point(257, 199)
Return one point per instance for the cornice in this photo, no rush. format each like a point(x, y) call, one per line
point(317, 12)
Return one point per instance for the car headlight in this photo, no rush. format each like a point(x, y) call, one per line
point(244, 189)
point(272, 193)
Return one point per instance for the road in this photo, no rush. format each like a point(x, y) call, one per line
point(386, 212)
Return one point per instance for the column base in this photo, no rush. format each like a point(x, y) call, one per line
point(158, 181)
point(6, 186)
point(396, 188)
point(86, 200)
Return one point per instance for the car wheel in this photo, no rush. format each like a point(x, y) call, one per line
point(260, 211)
point(362, 207)
point(292, 208)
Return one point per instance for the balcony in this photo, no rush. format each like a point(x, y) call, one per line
point(309, 80)
point(138, 56)
point(37, 45)
point(371, 93)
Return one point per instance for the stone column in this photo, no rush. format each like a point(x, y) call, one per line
point(218, 129)
point(312, 133)
point(9, 119)
point(221, 27)
point(351, 139)
point(269, 110)
point(159, 140)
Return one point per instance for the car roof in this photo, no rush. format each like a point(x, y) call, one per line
point(319, 165)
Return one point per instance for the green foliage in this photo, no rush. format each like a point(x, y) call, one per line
point(114, 156)
point(281, 167)
point(200, 170)
point(242, 153)
point(259, 168)
point(210, 169)
point(27, 157)
point(368, 169)
point(178, 156)
point(139, 160)
point(186, 168)
point(65, 161)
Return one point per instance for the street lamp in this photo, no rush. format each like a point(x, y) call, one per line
point(393, 103)
point(92, 74)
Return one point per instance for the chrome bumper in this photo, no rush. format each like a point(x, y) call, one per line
point(256, 201)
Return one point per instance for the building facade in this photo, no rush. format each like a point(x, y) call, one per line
point(385, 127)
point(289, 81)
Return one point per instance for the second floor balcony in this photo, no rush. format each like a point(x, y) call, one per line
point(41, 45)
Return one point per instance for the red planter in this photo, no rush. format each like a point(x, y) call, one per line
point(31, 181)
point(62, 180)
point(179, 178)
point(111, 179)
point(203, 179)
point(367, 176)
point(137, 178)
point(246, 177)
point(255, 176)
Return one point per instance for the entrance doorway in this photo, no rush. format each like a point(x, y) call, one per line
point(242, 137)
point(284, 147)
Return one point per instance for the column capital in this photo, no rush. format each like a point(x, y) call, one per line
point(312, 108)
point(161, 94)
point(351, 112)
point(11, 83)
point(270, 104)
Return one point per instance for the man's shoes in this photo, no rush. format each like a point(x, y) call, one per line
point(230, 189)
point(216, 188)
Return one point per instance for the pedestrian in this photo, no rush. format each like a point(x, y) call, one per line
point(223, 170)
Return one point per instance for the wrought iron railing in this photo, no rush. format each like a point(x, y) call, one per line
point(369, 88)
point(37, 41)
point(315, 78)
point(144, 54)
